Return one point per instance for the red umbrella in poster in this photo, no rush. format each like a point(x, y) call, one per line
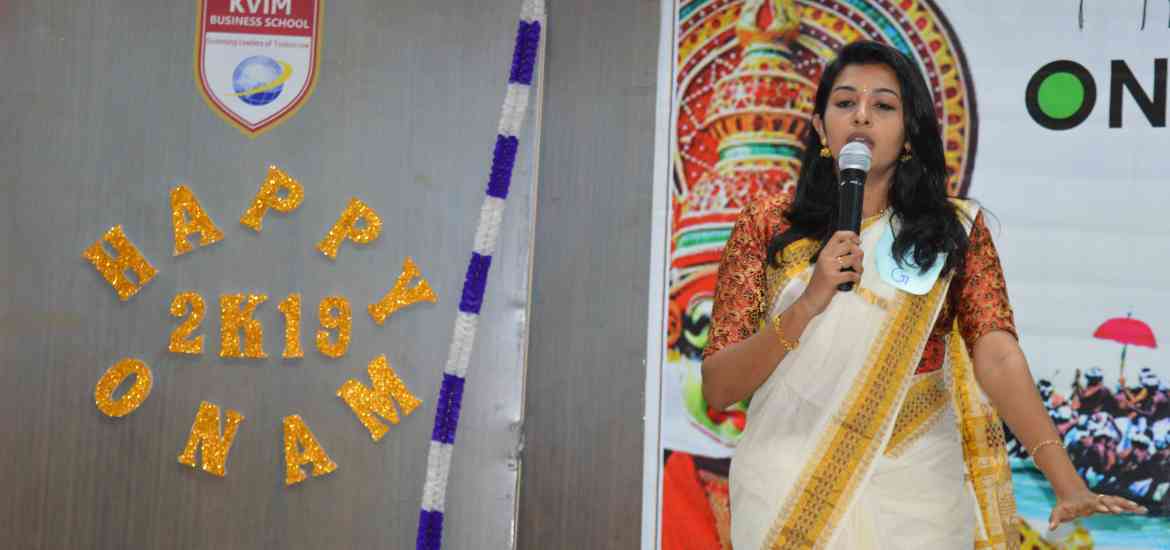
point(1129, 332)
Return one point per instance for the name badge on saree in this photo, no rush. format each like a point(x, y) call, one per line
point(907, 276)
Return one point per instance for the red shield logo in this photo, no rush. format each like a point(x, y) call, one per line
point(256, 60)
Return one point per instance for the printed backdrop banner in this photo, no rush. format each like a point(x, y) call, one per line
point(1054, 118)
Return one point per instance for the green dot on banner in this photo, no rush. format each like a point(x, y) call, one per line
point(1061, 95)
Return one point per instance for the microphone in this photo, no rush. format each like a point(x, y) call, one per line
point(852, 166)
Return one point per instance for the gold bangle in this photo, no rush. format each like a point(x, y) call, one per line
point(789, 345)
point(1041, 445)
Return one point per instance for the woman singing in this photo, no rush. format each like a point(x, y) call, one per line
point(875, 413)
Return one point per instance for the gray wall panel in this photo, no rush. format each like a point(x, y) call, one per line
point(582, 474)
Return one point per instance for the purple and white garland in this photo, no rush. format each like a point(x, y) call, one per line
point(491, 214)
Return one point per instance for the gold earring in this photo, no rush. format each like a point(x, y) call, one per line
point(907, 156)
point(826, 153)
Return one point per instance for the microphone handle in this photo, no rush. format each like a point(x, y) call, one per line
point(851, 195)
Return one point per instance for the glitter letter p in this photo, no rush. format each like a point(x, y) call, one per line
point(347, 228)
point(269, 197)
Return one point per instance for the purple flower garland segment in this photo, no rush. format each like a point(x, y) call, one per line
point(430, 526)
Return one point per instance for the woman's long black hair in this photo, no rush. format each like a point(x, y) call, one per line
point(918, 195)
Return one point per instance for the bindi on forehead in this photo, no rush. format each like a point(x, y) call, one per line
point(868, 79)
point(865, 89)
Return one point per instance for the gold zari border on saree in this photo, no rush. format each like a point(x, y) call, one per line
point(984, 452)
point(793, 260)
point(857, 432)
point(924, 404)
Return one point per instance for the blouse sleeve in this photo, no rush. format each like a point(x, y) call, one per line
point(740, 283)
point(980, 296)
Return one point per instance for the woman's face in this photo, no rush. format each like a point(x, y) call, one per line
point(865, 104)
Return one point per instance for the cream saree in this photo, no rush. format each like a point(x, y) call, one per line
point(846, 448)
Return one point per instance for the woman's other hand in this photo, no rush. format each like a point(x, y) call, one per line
point(1086, 503)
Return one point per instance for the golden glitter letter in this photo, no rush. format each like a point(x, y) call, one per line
point(103, 394)
point(114, 269)
point(215, 446)
point(300, 448)
point(232, 319)
point(269, 197)
point(291, 308)
point(180, 337)
point(365, 401)
point(347, 228)
point(400, 296)
point(188, 218)
point(342, 321)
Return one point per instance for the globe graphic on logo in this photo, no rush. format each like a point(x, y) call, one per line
point(258, 80)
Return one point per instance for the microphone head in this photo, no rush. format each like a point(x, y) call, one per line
point(854, 155)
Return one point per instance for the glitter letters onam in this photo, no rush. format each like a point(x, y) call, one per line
point(388, 388)
point(188, 218)
point(215, 445)
point(103, 393)
point(300, 448)
point(347, 228)
point(269, 197)
point(232, 319)
point(400, 296)
point(114, 268)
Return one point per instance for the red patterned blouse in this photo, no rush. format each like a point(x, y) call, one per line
point(977, 297)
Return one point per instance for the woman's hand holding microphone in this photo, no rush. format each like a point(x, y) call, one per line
point(842, 253)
